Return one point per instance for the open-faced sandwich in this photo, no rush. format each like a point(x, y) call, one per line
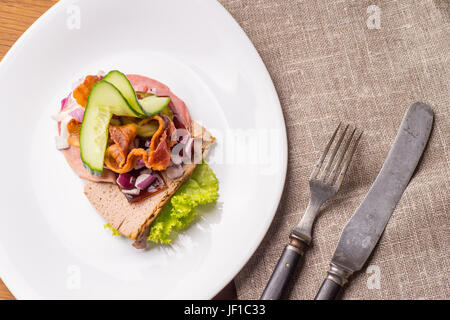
point(133, 140)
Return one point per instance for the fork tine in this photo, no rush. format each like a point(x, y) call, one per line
point(324, 154)
point(326, 171)
point(347, 161)
point(336, 167)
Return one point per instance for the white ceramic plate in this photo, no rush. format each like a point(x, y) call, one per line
point(52, 241)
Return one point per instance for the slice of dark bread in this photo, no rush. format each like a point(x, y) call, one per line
point(133, 220)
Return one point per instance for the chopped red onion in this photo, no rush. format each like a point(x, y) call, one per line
point(133, 192)
point(101, 74)
point(126, 181)
point(156, 185)
point(148, 142)
point(64, 103)
point(144, 181)
point(174, 171)
point(139, 164)
point(77, 114)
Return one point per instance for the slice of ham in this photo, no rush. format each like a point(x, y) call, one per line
point(178, 107)
point(72, 155)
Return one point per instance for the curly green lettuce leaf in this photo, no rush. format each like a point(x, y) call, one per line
point(200, 189)
point(110, 227)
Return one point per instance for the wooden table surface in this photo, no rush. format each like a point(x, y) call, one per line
point(15, 17)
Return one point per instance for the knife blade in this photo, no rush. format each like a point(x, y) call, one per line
point(362, 232)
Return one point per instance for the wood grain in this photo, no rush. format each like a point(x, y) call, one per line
point(15, 18)
point(4, 292)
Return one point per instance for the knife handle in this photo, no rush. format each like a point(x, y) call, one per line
point(336, 278)
point(286, 266)
point(328, 291)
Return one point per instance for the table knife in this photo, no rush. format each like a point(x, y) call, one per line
point(362, 232)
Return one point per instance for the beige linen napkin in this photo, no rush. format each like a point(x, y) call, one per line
point(361, 62)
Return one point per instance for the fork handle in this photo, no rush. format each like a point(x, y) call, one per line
point(283, 271)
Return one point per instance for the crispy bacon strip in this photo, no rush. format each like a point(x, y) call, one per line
point(74, 128)
point(123, 136)
point(170, 130)
point(81, 93)
point(120, 159)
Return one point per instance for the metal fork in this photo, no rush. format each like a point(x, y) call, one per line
point(324, 183)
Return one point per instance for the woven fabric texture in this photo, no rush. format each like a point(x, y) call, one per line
point(360, 62)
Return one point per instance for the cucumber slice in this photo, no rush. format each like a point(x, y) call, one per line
point(121, 82)
point(148, 106)
point(143, 130)
point(104, 100)
point(166, 111)
point(153, 104)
